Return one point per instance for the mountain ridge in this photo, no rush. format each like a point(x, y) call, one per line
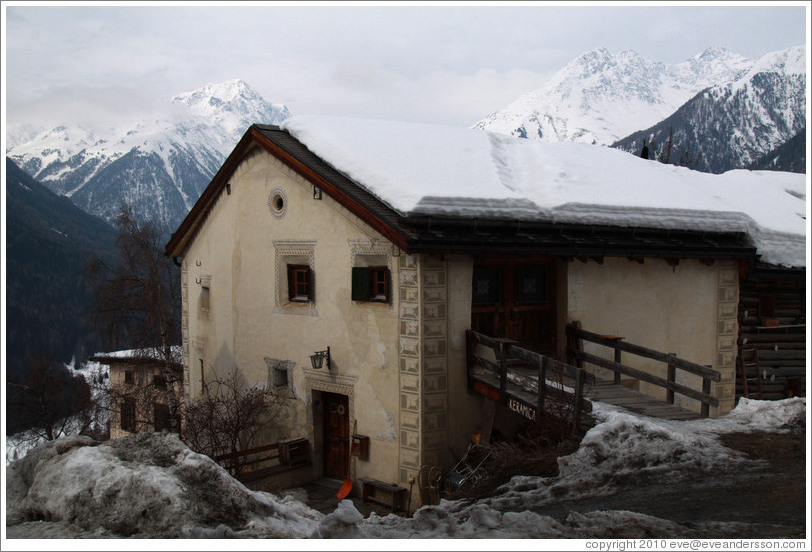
point(159, 166)
point(708, 132)
point(600, 97)
point(49, 242)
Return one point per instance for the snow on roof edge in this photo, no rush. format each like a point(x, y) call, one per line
point(418, 168)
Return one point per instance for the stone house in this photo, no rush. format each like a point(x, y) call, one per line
point(138, 394)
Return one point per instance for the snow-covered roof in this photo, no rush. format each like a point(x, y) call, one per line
point(422, 169)
point(141, 356)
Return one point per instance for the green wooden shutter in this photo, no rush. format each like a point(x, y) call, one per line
point(360, 283)
point(389, 293)
point(291, 283)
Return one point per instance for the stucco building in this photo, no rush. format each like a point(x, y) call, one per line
point(287, 254)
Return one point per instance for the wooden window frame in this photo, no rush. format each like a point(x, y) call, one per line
point(371, 284)
point(300, 283)
point(494, 295)
point(541, 295)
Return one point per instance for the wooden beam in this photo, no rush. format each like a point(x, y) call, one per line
point(681, 363)
point(645, 376)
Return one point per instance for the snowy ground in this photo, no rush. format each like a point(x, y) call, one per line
point(153, 486)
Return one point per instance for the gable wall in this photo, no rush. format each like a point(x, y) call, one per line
point(241, 251)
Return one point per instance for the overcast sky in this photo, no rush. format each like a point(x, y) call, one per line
point(452, 64)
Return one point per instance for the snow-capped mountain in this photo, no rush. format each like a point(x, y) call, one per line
point(601, 97)
point(159, 166)
point(733, 125)
point(20, 133)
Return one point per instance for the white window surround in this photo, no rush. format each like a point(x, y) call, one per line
point(278, 202)
point(292, 252)
point(369, 252)
point(280, 377)
point(205, 293)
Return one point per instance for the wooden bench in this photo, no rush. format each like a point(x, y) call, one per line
point(375, 491)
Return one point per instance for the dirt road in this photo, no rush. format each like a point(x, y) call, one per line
point(771, 500)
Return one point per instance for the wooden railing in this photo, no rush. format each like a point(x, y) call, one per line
point(527, 382)
point(576, 335)
point(258, 462)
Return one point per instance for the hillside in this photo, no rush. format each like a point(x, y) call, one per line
point(789, 156)
point(731, 126)
point(49, 242)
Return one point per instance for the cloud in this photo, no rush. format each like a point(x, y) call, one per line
point(369, 90)
point(452, 64)
point(95, 106)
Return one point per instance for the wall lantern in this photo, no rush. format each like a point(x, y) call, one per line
point(317, 359)
point(316, 192)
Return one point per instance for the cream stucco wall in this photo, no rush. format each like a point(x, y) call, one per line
point(401, 365)
point(241, 253)
point(687, 309)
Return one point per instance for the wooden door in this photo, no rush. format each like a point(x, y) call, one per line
point(515, 299)
point(336, 435)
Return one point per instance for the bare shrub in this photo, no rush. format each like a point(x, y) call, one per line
point(230, 416)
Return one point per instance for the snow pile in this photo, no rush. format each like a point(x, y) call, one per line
point(624, 447)
point(432, 169)
point(148, 483)
point(753, 415)
point(481, 521)
point(342, 523)
point(621, 450)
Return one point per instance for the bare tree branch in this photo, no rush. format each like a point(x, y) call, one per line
point(230, 416)
point(138, 301)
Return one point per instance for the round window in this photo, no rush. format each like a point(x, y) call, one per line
point(277, 202)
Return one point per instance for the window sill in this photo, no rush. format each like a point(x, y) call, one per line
point(305, 308)
point(382, 302)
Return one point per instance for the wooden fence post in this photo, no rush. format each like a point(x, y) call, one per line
point(579, 397)
point(575, 343)
point(542, 390)
point(706, 389)
point(503, 370)
point(672, 377)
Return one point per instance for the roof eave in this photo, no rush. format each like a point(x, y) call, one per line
point(255, 137)
point(457, 235)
